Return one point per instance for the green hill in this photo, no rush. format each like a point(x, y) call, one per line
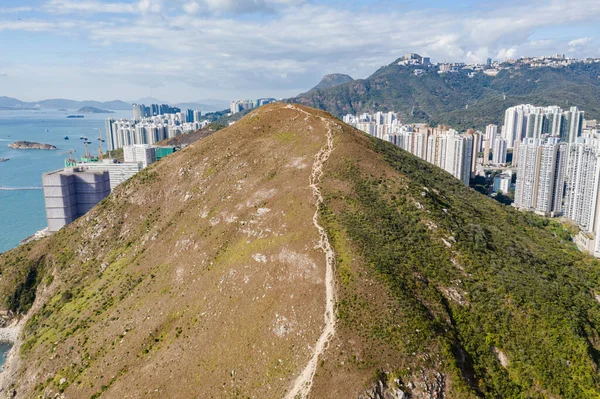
point(207, 275)
point(456, 99)
point(332, 80)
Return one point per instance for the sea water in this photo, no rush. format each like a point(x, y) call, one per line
point(22, 212)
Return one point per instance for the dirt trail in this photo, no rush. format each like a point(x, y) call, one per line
point(303, 383)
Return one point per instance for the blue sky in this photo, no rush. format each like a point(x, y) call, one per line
point(186, 50)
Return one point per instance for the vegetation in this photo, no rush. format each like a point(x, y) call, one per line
point(518, 290)
point(200, 277)
point(457, 100)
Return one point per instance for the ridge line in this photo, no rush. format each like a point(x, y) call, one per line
point(303, 383)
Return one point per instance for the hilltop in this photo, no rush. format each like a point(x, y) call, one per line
point(290, 253)
point(421, 94)
point(333, 80)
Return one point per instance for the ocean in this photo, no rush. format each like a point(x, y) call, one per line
point(22, 212)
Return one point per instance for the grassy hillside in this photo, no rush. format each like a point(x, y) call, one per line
point(201, 276)
point(444, 98)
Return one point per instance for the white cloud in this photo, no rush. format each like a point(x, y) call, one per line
point(36, 26)
point(286, 45)
point(86, 6)
point(507, 54)
point(149, 6)
point(191, 8)
point(580, 42)
point(12, 10)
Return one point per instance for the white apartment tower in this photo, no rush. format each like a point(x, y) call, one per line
point(583, 176)
point(515, 124)
point(500, 149)
point(459, 151)
point(540, 176)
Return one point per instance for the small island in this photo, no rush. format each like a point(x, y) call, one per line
point(92, 110)
point(62, 110)
point(28, 145)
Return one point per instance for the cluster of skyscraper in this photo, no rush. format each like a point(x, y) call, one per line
point(443, 147)
point(557, 156)
point(150, 130)
point(141, 111)
point(243, 105)
point(528, 121)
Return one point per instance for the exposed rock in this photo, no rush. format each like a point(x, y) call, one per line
point(383, 391)
point(29, 145)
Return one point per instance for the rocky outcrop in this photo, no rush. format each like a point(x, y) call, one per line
point(383, 391)
point(332, 80)
point(424, 386)
point(29, 145)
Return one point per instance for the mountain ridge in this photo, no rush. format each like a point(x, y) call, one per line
point(15, 104)
point(204, 276)
point(455, 98)
point(332, 80)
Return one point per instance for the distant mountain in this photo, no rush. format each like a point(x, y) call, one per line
point(218, 104)
point(198, 106)
point(13, 103)
point(9, 102)
point(116, 105)
point(208, 105)
point(149, 100)
point(459, 99)
point(333, 80)
point(92, 110)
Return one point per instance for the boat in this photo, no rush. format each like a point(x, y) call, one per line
point(47, 130)
point(81, 137)
point(66, 137)
point(75, 116)
point(3, 159)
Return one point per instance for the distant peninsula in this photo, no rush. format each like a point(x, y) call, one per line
point(28, 145)
point(93, 110)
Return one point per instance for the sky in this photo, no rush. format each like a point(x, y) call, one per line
point(186, 50)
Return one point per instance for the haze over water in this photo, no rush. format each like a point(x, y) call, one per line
point(22, 213)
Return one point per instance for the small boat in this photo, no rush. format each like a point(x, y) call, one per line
point(81, 137)
point(66, 137)
point(47, 130)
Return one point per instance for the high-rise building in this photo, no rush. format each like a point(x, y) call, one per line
point(574, 119)
point(540, 175)
point(459, 153)
point(583, 178)
point(582, 191)
point(499, 152)
point(189, 115)
point(110, 134)
point(71, 193)
point(197, 116)
point(143, 153)
point(528, 121)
